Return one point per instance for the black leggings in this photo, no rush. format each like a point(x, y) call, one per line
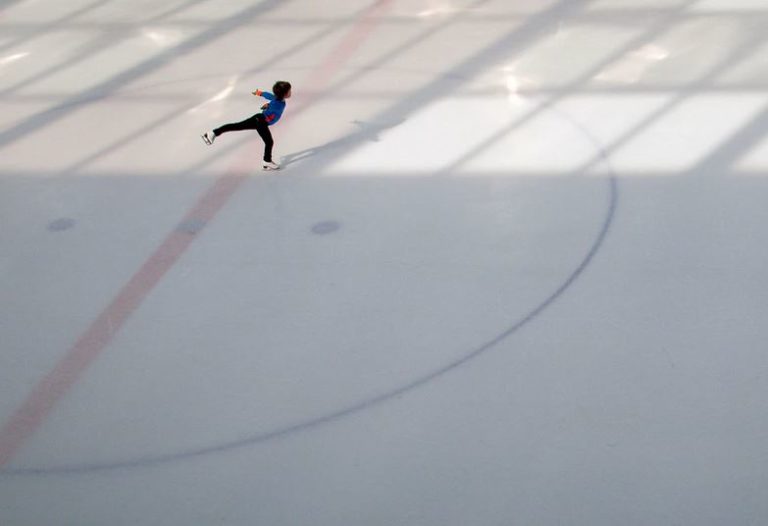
point(256, 122)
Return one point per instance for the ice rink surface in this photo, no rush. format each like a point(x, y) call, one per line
point(513, 270)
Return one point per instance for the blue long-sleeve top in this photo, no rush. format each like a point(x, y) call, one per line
point(274, 109)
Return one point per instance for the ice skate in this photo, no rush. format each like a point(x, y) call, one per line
point(208, 137)
point(269, 165)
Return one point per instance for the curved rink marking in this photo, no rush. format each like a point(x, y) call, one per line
point(153, 460)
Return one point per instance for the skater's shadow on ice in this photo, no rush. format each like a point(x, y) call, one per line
point(369, 131)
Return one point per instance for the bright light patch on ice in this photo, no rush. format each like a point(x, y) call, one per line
point(218, 97)
point(634, 65)
point(473, 134)
point(162, 38)
point(12, 58)
point(686, 134)
point(730, 5)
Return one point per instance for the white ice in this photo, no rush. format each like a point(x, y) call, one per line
point(513, 270)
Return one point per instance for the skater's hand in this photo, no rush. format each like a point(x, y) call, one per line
point(265, 106)
point(258, 93)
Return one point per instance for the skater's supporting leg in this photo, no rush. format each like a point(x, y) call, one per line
point(266, 136)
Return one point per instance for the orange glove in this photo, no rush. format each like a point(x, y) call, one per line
point(258, 93)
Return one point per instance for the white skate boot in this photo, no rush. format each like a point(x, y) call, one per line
point(208, 137)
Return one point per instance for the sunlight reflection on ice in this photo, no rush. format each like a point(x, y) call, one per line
point(12, 58)
point(635, 64)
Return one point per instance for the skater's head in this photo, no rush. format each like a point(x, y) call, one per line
point(282, 90)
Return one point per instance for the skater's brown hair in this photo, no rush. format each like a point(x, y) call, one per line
point(281, 89)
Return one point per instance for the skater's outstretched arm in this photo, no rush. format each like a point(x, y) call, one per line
point(267, 95)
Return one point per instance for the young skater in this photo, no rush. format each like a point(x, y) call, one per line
point(270, 114)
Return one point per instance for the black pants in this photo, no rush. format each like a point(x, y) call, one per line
point(256, 122)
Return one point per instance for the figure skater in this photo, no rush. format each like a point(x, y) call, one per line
point(270, 114)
